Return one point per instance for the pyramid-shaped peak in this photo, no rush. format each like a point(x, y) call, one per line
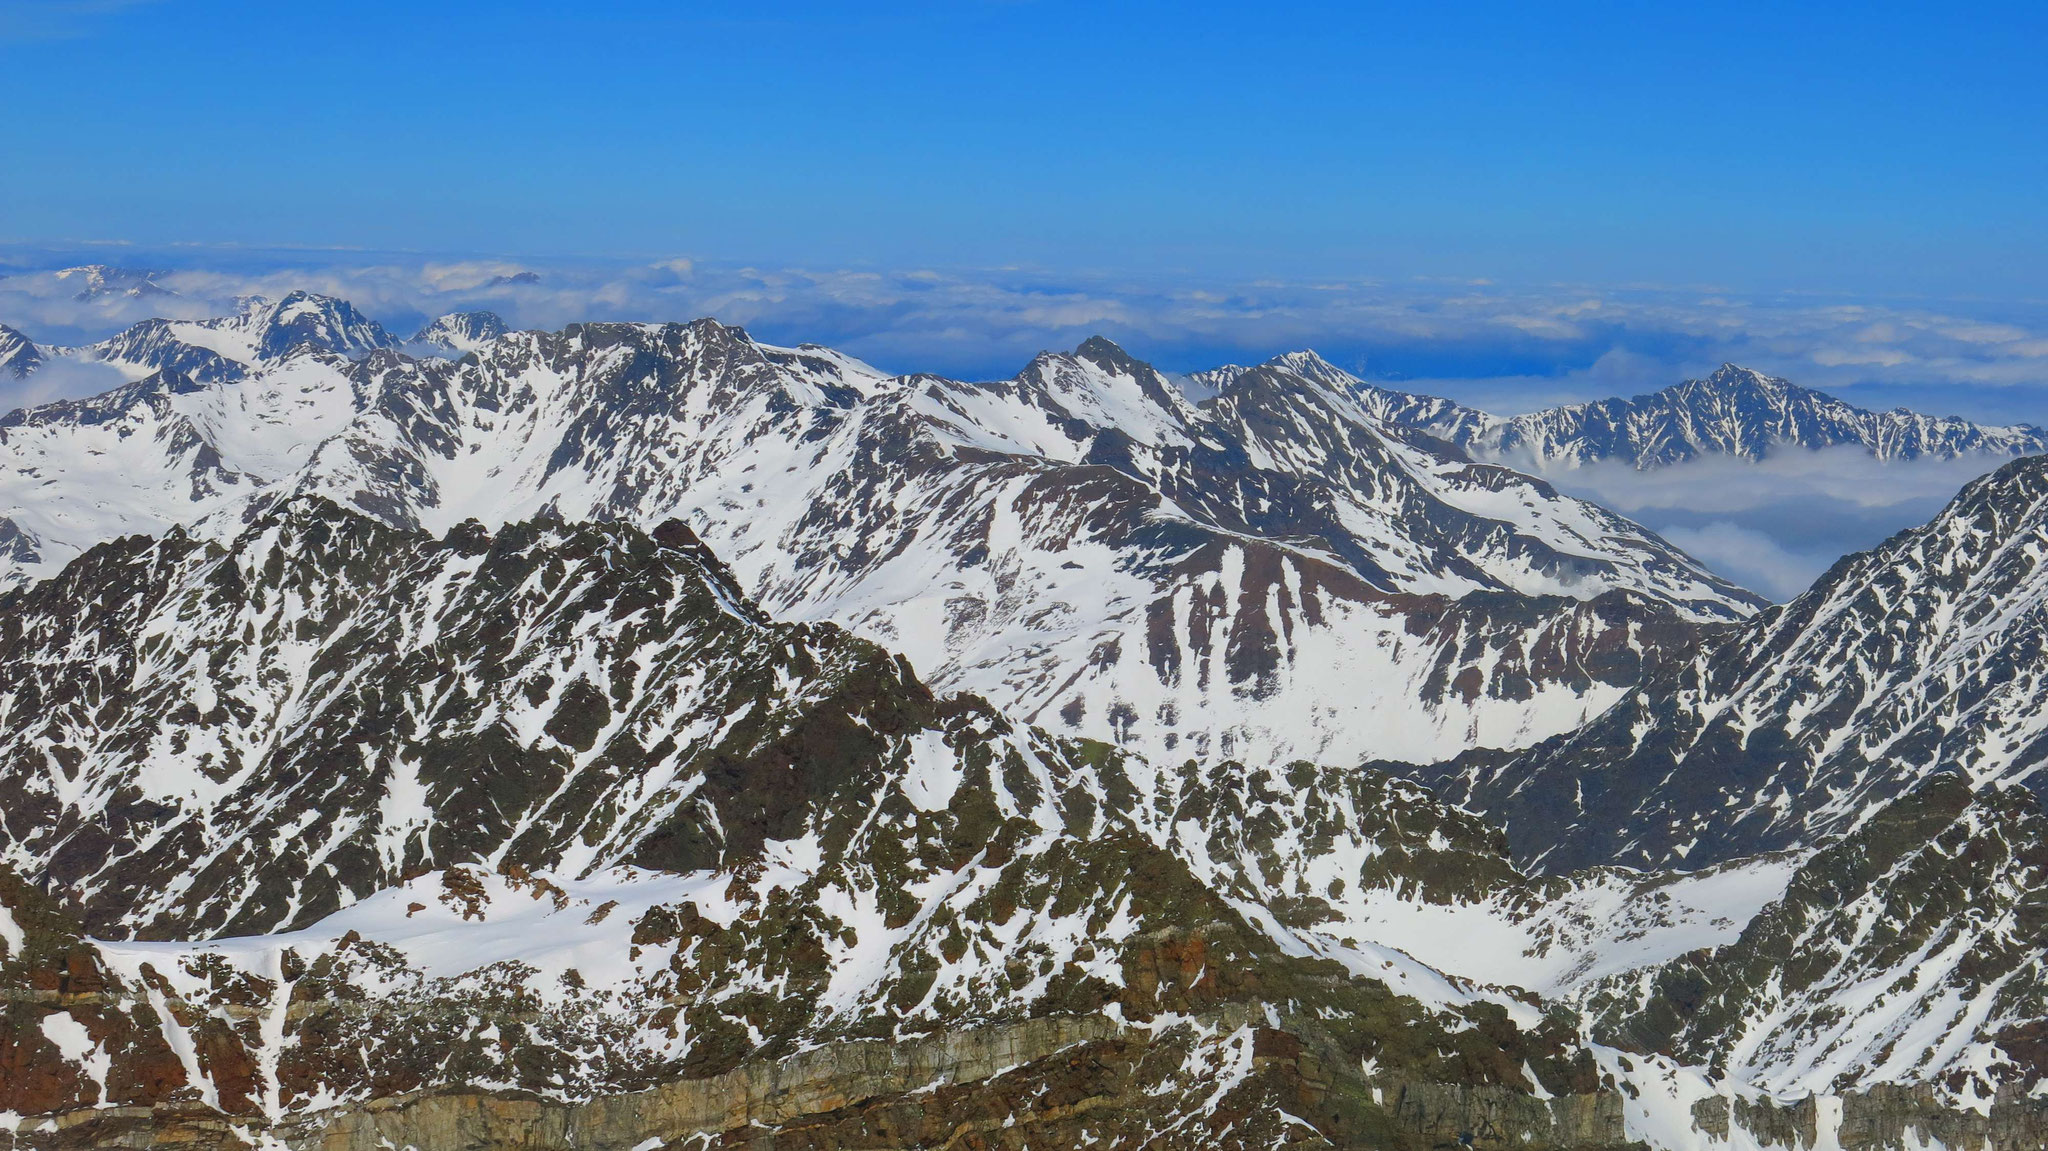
point(462, 331)
point(1309, 364)
point(1732, 374)
point(308, 320)
point(1104, 353)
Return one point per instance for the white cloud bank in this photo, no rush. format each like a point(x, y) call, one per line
point(1776, 525)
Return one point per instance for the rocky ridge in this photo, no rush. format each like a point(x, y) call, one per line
point(491, 906)
point(1080, 545)
point(1735, 412)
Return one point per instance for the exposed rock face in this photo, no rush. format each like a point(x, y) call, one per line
point(1921, 656)
point(1051, 1082)
point(18, 354)
point(1940, 899)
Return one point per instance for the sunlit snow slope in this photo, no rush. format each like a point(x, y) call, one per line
point(1269, 573)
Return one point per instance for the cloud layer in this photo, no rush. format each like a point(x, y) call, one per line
point(1775, 526)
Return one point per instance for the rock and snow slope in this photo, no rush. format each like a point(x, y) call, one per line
point(454, 779)
point(1734, 412)
point(549, 832)
point(1271, 573)
point(459, 332)
point(1922, 656)
point(556, 812)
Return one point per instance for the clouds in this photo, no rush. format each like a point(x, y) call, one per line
point(58, 379)
point(1751, 558)
point(1774, 526)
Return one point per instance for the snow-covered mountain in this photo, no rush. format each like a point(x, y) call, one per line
point(19, 355)
point(558, 810)
point(262, 333)
point(1735, 412)
point(1271, 573)
point(100, 281)
point(1921, 657)
point(460, 332)
point(571, 837)
point(637, 736)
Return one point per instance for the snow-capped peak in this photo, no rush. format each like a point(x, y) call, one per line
point(460, 332)
point(19, 355)
point(1310, 365)
point(261, 332)
point(98, 281)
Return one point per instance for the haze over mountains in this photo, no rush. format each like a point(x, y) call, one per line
point(637, 735)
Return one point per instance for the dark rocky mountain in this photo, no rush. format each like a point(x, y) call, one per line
point(1921, 656)
point(497, 750)
point(1734, 412)
point(19, 355)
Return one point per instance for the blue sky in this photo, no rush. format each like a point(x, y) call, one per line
point(1512, 204)
point(1869, 149)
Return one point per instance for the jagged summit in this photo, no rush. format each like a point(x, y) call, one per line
point(1108, 355)
point(262, 332)
point(323, 323)
point(19, 355)
point(1310, 364)
point(460, 332)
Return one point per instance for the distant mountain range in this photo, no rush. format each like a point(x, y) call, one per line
point(1081, 544)
point(1735, 412)
point(640, 737)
